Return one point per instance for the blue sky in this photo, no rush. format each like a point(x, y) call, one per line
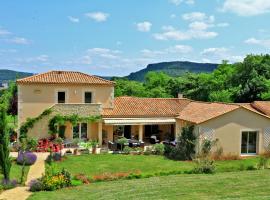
point(116, 37)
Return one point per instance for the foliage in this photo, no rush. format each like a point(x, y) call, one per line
point(204, 166)
point(127, 150)
point(36, 185)
point(52, 181)
point(82, 177)
point(185, 147)
point(245, 81)
point(30, 123)
point(158, 149)
point(74, 119)
point(5, 161)
point(122, 141)
point(26, 158)
point(8, 184)
point(263, 162)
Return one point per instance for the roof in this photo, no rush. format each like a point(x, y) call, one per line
point(126, 107)
point(64, 77)
point(262, 106)
point(198, 112)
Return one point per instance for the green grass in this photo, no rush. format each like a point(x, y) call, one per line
point(15, 172)
point(232, 185)
point(99, 164)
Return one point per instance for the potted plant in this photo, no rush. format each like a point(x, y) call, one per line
point(94, 144)
point(122, 141)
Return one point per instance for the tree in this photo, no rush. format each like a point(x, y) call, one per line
point(185, 147)
point(5, 161)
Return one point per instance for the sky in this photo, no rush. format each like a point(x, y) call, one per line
point(116, 37)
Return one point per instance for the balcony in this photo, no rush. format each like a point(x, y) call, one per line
point(83, 110)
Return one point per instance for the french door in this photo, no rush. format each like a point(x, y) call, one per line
point(80, 131)
point(249, 142)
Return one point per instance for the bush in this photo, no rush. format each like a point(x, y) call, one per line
point(27, 158)
point(82, 177)
point(9, 184)
point(52, 181)
point(204, 166)
point(148, 151)
point(36, 185)
point(185, 147)
point(127, 150)
point(158, 149)
point(263, 162)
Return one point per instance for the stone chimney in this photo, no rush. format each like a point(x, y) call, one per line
point(180, 96)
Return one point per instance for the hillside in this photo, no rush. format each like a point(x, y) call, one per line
point(7, 75)
point(175, 68)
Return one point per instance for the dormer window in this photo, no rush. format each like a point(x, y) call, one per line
point(87, 97)
point(61, 97)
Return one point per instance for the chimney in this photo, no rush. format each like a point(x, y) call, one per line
point(180, 96)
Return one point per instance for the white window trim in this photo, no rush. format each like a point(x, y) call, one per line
point(257, 140)
point(80, 130)
point(93, 95)
point(62, 90)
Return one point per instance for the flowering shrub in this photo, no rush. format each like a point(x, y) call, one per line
point(51, 182)
point(36, 185)
point(8, 184)
point(28, 157)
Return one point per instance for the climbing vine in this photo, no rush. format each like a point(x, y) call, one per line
point(74, 119)
point(31, 121)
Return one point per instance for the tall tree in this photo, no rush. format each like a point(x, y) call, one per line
point(5, 161)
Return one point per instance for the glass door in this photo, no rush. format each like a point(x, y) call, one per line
point(80, 131)
point(249, 142)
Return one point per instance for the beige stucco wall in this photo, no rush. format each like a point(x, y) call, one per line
point(34, 99)
point(228, 128)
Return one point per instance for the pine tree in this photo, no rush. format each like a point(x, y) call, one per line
point(5, 161)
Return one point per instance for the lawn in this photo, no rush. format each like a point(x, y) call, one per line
point(15, 172)
point(99, 164)
point(231, 185)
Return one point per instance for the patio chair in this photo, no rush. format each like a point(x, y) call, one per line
point(112, 146)
point(67, 143)
point(153, 139)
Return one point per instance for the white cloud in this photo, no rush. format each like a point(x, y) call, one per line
point(40, 58)
point(254, 41)
point(73, 19)
point(104, 53)
point(198, 16)
point(19, 40)
point(98, 16)
point(144, 26)
point(197, 25)
point(178, 2)
point(177, 49)
point(170, 33)
point(246, 7)
point(218, 54)
point(4, 32)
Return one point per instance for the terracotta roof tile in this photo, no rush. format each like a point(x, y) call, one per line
point(64, 77)
point(145, 107)
point(262, 106)
point(198, 112)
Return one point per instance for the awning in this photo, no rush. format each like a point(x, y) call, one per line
point(139, 121)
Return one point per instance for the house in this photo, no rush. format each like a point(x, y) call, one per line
point(239, 128)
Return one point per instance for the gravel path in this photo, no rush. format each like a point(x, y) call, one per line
point(35, 171)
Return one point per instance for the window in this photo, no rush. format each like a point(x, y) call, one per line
point(88, 97)
point(61, 97)
point(80, 131)
point(249, 142)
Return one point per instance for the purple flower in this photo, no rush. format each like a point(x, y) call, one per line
point(28, 157)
